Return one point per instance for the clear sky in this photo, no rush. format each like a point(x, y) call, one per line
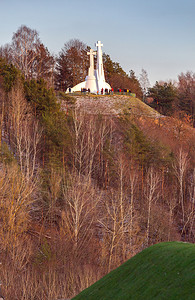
point(157, 35)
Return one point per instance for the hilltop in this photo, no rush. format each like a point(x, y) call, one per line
point(162, 271)
point(113, 105)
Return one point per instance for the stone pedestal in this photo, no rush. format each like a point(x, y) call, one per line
point(91, 84)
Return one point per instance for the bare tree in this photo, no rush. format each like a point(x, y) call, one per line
point(5, 53)
point(188, 227)
point(144, 82)
point(191, 215)
point(111, 224)
point(118, 216)
point(24, 131)
point(133, 182)
point(2, 112)
point(171, 200)
point(127, 179)
point(78, 214)
point(53, 194)
point(25, 43)
point(43, 66)
point(180, 167)
point(186, 93)
point(83, 141)
point(89, 135)
point(15, 203)
point(152, 194)
point(29, 55)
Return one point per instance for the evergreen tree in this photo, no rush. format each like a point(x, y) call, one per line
point(9, 75)
point(164, 96)
point(56, 142)
point(72, 64)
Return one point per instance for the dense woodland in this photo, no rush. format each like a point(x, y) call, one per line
point(81, 193)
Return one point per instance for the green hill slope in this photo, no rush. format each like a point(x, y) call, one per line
point(162, 271)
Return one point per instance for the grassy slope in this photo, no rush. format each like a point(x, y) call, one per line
point(162, 271)
point(115, 104)
point(136, 106)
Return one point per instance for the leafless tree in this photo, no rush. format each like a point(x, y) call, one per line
point(144, 82)
point(186, 93)
point(5, 53)
point(118, 217)
point(16, 204)
point(24, 47)
point(171, 200)
point(133, 182)
point(127, 179)
point(151, 194)
point(29, 55)
point(191, 215)
point(190, 209)
point(180, 167)
point(24, 131)
point(43, 66)
point(111, 224)
point(2, 112)
point(89, 135)
point(80, 201)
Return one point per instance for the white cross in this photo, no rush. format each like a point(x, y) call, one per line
point(91, 53)
point(99, 58)
point(98, 44)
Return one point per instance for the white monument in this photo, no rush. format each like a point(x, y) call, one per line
point(95, 81)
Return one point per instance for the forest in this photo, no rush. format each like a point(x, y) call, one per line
point(81, 192)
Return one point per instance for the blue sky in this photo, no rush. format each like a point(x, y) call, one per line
point(157, 35)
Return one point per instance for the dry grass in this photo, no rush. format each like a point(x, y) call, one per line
point(114, 105)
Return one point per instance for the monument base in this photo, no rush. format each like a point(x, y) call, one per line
point(91, 84)
point(77, 88)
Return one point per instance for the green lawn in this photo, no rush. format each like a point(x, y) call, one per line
point(163, 271)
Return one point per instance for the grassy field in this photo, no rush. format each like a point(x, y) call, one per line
point(163, 271)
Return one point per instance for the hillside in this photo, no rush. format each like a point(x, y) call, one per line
point(88, 182)
point(162, 271)
point(114, 105)
point(121, 105)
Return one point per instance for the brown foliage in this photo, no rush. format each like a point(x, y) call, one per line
point(62, 232)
